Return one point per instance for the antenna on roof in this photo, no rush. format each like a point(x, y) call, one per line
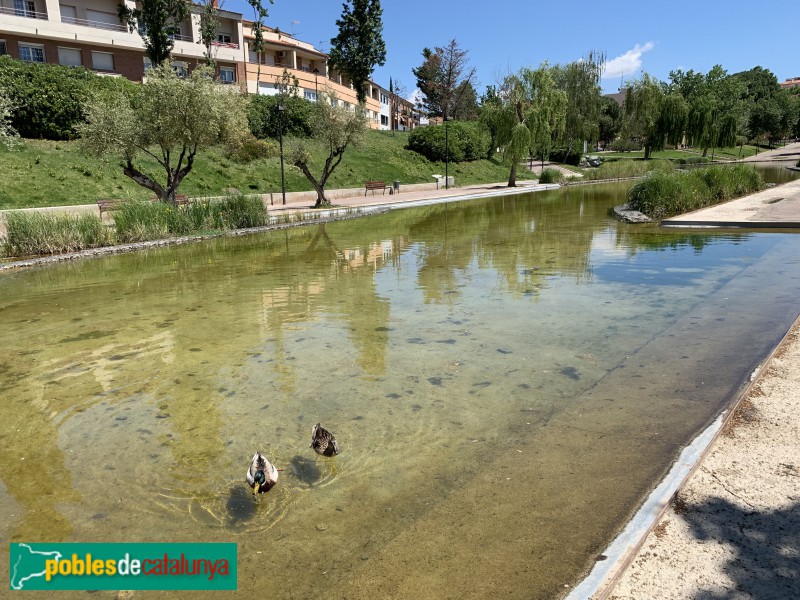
point(292, 26)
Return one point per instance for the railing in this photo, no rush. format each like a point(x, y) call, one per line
point(179, 37)
point(226, 45)
point(23, 12)
point(95, 24)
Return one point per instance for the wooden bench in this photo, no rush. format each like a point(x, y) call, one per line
point(374, 185)
point(107, 205)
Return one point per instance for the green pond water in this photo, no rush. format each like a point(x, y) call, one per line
point(507, 379)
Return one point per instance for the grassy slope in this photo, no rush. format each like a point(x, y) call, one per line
point(721, 153)
point(43, 173)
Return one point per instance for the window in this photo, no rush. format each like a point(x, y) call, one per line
point(99, 18)
point(3, 49)
point(384, 120)
point(68, 13)
point(103, 61)
point(180, 68)
point(31, 53)
point(227, 75)
point(309, 95)
point(224, 38)
point(70, 57)
point(25, 8)
point(384, 99)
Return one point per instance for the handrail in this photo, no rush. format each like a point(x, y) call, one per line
point(226, 45)
point(95, 24)
point(23, 12)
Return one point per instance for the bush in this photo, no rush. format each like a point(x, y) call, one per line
point(31, 233)
point(49, 99)
point(662, 194)
point(250, 148)
point(467, 141)
point(142, 221)
point(621, 169)
point(550, 176)
point(264, 117)
point(624, 146)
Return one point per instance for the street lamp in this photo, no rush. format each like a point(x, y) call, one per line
point(281, 109)
point(446, 156)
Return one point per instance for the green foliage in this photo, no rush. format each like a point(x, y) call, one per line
point(41, 233)
point(248, 148)
point(661, 195)
point(8, 135)
point(445, 80)
point(265, 119)
point(168, 119)
point(48, 100)
point(141, 221)
point(610, 120)
point(621, 169)
point(550, 176)
point(359, 46)
point(466, 141)
point(209, 23)
point(580, 81)
point(157, 21)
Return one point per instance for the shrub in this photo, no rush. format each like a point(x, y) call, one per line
point(250, 148)
point(662, 194)
point(624, 146)
point(264, 117)
point(550, 176)
point(31, 233)
point(466, 140)
point(49, 99)
point(620, 169)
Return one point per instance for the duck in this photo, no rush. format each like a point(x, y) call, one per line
point(261, 475)
point(323, 442)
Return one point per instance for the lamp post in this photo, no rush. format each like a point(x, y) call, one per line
point(281, 109)
point(446, 156)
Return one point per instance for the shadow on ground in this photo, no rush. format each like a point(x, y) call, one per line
point(765, 546)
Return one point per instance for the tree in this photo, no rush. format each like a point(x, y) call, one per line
point(444, 77)
point(466, 108)
point(610, 121)
point(359, 47)
point(649, 116)
point(580, 80)
point(532, 112)
point(156, 21)
point(167, 119)
point(257, 45)
point(8, 135)
point(334, 130)
point(209, 23)
point(491, 106)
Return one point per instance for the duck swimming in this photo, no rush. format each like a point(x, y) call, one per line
point(262, 474)
point(323, 442)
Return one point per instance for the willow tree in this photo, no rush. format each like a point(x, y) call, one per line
point(531, 113)
point(580, 81)
point(359, 47)
point(167, 119)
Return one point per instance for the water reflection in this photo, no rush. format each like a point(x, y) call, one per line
point(495, 371)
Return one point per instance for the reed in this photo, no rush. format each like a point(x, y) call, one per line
point(29, 234)
point(661, 195)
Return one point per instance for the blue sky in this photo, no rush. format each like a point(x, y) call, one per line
point(504, 35)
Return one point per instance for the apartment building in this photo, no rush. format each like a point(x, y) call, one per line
point(89, 33)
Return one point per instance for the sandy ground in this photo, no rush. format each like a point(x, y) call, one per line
point(733, 531)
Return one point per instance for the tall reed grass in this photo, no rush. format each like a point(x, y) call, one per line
point(31, 233)
point(661, 195)
point(550, 176)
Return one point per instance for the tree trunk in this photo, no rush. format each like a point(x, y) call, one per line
point(512, 177)
point(647, 150)
point(321, 199)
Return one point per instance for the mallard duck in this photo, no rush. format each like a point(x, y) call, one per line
point(261, 475)
point(323, 442)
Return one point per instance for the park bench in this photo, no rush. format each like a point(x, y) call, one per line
point(374, 185)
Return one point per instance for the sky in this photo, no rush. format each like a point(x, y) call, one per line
point(501, 36)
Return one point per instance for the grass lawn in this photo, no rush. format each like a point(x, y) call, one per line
point(44, 173)
point(721, 153)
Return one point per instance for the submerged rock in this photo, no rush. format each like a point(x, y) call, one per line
point(623, 212)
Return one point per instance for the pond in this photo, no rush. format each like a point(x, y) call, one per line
point(507, 379)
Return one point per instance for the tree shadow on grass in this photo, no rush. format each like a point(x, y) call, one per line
point(765, 546)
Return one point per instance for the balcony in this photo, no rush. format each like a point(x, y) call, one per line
point(23, 12)
point(232, 45)
point(95, 24)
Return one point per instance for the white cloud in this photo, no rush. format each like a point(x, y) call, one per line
point(415, 97)
point(628, 63)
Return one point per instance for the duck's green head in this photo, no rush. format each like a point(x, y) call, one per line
point(260, 479)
